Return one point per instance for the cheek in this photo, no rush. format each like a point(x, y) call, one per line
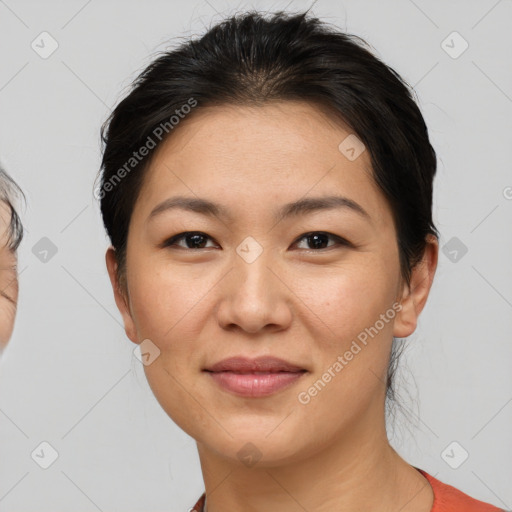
point(351, 299)
point(168, 309)
point(168, 303)
point(354, 337)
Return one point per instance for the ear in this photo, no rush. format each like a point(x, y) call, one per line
point(414, 297)
point(121, 296)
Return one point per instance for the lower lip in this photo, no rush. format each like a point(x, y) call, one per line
point(255, 384)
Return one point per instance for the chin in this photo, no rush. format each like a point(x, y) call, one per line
point(252, 448)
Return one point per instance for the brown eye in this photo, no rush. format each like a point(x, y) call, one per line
point(318, 240)
point(192, 240)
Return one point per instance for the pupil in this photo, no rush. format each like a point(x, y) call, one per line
point(318, 242)
point(196, 240)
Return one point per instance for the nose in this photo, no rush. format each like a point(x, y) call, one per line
point(254, 297)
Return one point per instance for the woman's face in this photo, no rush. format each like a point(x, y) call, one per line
point(254, 284)
point(8, 279)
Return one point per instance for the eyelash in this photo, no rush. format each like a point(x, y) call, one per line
point(341, 241)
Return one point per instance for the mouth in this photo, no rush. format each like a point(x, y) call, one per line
point(254, 378)
point(263, 364)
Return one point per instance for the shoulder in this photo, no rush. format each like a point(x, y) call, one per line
point(450, 499)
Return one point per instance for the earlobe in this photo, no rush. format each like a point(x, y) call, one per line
point(122, 300)
point(414, 296)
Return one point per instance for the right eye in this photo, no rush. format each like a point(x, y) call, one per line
point(193, 240)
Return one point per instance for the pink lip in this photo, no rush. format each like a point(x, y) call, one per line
point(258, 377)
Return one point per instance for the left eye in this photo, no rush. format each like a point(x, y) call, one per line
point(319, 240)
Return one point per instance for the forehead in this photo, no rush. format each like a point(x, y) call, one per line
point(289, 129)
point(276, 152)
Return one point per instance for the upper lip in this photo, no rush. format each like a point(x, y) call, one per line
point(259, 364)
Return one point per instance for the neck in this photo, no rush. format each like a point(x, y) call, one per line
point(358, 472)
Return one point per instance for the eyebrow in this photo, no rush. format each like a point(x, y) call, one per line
point(300, 207)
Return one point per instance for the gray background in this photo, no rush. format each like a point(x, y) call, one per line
point(69, 376)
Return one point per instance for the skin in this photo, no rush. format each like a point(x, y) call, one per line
point(8, 279)
point(295, 301)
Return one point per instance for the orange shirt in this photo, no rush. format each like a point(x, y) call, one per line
point(450, 499)
point(446, 499)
